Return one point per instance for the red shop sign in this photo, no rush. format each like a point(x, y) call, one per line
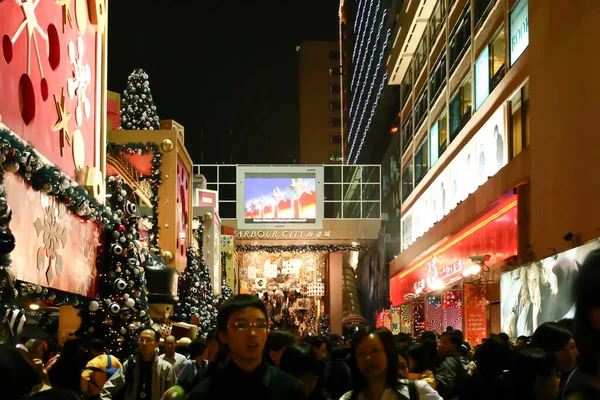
point(494, 234)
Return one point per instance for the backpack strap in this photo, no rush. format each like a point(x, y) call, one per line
point(412, 390)
point(109, 361)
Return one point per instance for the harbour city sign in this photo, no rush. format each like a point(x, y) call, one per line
point(282, 234)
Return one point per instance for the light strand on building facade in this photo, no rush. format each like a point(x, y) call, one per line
point(363, 7)
point(360, 27)
point(364, 55)
point(362, 140)
point(354, 132)
point(340, 33)
point(366, 103)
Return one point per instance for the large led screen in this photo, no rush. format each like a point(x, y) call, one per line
point(280, 197)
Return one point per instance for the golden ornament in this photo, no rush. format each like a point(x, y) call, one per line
point(167, 145)
point(167, 255)
point(208, 216)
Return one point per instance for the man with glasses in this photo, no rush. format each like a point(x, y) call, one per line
point(242, 324)
point(143, 377)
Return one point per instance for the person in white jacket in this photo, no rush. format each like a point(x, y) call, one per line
point(142, 377)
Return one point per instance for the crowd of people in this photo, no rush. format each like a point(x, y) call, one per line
point(242, 359)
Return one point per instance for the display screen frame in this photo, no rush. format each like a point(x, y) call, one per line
point(309, 171)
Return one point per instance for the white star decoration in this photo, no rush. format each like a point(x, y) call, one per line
point(277, 196)
point(298, 188)
point(78, 84)
point(30, 21)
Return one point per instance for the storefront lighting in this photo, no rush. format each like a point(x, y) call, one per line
point(436, 285)
point(473, 270)
point(34, 306)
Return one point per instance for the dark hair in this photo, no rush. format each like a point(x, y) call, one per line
point(455, 337)
point(586, 289)
point(314, 341)
point(300, 358)
point(197, 347)
point(429, 335)
point(336, 338)
point(504, 337)
point(449, 328)
point(96, 345)
point(238, 303)
point(523, 337)
point(156, 333)
point(403, 338)
point(550, 336)
point(492, 357)
point(425, 356)
point(277, 340)
point(527, 365)
point(359, 382)
point(18, 376)
point(213, 335)
point(568, 324)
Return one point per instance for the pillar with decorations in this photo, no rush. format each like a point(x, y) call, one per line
point(52, 217)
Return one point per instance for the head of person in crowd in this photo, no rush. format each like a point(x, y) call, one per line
point(95, 347)
point(403, 340)
point(319, 344)
point(18, 375)
point(339, 340)
point(559, 342)
point(277, 341)
point(429, 335)
point(148, 343)
point(422, 357)
point(403, 369)
point(242, 323)
point(522, 342)
point(301, 361)
point(197, 349)
point(504, 338)
point(170, 343)
point(374, 359)
point(493, 357)
point(212, 344)
point(450, 342)
point(567, 323)
point(36, 348)
point(532, 376)
point(587, 313)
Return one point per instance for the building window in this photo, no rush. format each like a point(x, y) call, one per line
point(420, 56)
point(407, 132)
point(335, 122)
point(519, 30)
point(334, 105)
point(489, 69)
point(335, 139)
point(335, 157)
point(406, 87)
point(407, 180)
point(460, 108)
point(482, 9)
point(438, 139)
point(519, 110)
point(460, 39)
point(334, 55)
point(335, 89)
point(436, 20)
point(438, 77)
point(421, 162)
point(334, 72)
point(421, 107)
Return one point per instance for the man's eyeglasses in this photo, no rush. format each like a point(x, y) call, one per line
point(245, 325)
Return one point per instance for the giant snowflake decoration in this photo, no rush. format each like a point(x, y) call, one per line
point(31, 23)
point(78, 84)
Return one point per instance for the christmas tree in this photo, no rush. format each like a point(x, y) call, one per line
point(117, 316)
point(226, 291)
point(197, 302)
point(138, 110)
point(324, 329)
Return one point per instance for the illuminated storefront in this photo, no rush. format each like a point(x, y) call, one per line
point(446, 286)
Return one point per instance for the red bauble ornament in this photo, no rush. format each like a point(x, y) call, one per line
point(121, 228)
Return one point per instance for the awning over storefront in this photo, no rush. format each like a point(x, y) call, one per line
point(493, 234)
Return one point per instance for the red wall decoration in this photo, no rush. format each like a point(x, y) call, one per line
point(476, 304)
point(54, 248)
point(418, 317)
point(434, 313)
point(495, 234)
point(183, 211)
point(453, 309)
point(51, 68)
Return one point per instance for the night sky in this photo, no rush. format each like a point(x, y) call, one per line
point(221, 66)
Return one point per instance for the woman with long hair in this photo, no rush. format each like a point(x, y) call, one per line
point(374, 364)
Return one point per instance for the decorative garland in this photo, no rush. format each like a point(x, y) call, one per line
point(16, 156)
point(154, 177)
point(309, 248)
